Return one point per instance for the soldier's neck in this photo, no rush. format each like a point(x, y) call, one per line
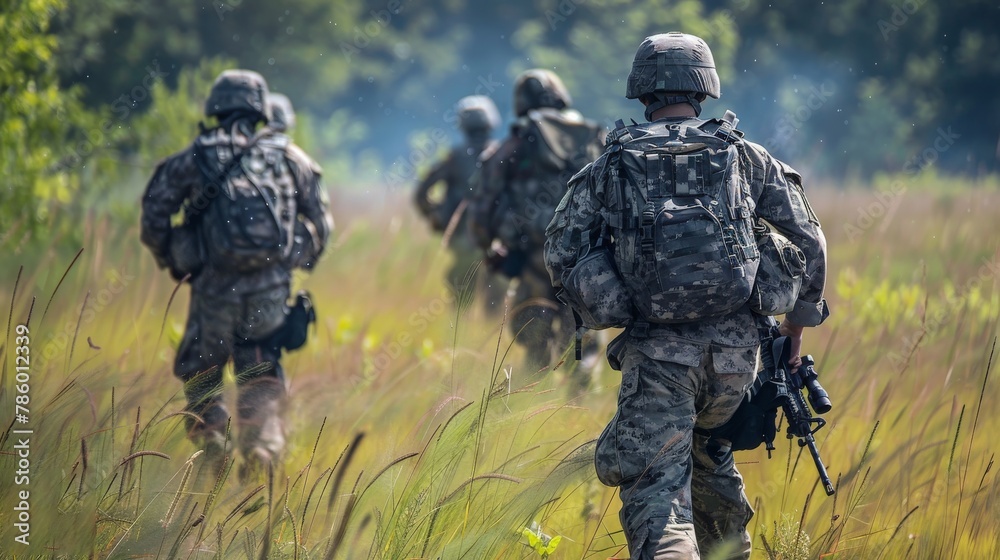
point(675, 110)
point(477, 139)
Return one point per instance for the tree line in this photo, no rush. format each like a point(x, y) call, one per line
point(845, 90)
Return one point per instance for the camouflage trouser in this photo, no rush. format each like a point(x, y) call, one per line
point(676, 501)
point(541, 324)
point(219, 329)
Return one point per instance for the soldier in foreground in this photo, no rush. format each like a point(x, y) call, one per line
point(518, 188)
point(253, 210)
point(662, 235)
point(477, 118)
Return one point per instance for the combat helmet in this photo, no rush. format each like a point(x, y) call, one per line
point(673, 62)
point(282, 113)
point(477, 113)
point(537, 88)
point(238, 91)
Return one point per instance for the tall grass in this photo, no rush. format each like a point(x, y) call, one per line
point(415, 433)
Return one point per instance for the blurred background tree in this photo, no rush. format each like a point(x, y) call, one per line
point(843, 90)
point(37, 118)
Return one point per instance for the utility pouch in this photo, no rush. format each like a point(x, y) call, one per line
point(595, 289)
point(753, 423)
point(779, 276)
point(296, 329)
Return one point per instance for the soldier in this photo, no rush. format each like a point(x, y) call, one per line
point(282, 113)
point(253, 210)
point(668, 221)
point(477, 117)
point(518, 188)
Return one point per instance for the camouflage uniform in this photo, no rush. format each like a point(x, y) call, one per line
point(677, 501)
point(477, 118)
point(516, 195)
point(233, 314)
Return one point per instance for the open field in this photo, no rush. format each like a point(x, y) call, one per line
point(415, 435)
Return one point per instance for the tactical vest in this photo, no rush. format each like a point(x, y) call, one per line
point(682, 216)
point(249, 221)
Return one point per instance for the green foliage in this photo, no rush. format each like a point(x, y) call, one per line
point(331, 140)
point(38, 120)
point(787, 541)
point(541, 543)
point(897, 72)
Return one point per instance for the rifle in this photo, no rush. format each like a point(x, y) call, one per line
point(777, 386)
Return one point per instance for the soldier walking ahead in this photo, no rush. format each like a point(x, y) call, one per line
point(253, 211)
point(518, 188)
point(477, 118)
point(665, 234)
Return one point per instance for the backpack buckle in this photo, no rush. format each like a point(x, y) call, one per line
point(639, 329)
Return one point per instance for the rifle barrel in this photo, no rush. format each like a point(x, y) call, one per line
point(823, 476)
point(799, 424)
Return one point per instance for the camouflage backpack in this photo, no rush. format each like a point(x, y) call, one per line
point(552, 146)
point(682, 218)
point(249, 222)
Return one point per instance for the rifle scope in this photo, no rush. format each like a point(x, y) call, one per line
point(818, 397)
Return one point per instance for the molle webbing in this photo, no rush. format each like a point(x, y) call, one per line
point(690, 174)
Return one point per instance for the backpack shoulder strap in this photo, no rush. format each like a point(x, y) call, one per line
point(620, 135)
point(752, 162)
point(615, 142)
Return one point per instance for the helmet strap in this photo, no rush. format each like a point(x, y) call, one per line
point(661, 100)
point(240, 116)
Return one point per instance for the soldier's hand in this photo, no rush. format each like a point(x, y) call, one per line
point(794, 334)
point(495, 260)
point(496, 255)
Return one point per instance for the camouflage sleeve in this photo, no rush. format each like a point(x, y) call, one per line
point(781, 200)
point(171, 184)
point(313, 207)
point(437, 174)
point(580, 212)
point(487, 187)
